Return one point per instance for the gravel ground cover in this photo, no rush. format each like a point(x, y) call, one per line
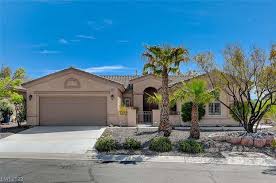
point(145, 134)
point(213, 148)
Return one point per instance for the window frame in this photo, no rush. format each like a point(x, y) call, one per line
point(127, 99)
point(212, 109)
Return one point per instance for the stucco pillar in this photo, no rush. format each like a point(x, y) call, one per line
point(155, 117)
point(131, 117)
point(138, 101)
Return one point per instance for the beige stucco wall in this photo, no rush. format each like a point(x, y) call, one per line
point(223, 119)
point(138, 89)
point(88, 87)
point(131, 117)
point(141, 84)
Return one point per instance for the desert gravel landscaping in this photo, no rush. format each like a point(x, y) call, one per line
point(213, 147)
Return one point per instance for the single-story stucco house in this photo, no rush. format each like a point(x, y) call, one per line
point(75, 97)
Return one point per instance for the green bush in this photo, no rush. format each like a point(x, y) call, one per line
point(6, 109)
point(160, 144)
point(273, 144)
point(105, 144)
point(132, 144)
point(186, 110)
point(190, 146)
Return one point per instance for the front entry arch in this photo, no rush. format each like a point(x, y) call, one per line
point(147, 106)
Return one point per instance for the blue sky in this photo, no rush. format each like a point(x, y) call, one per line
point(108, 37)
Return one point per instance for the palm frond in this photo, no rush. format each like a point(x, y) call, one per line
point(164, 57)
point(196, 91)
point(156, 98)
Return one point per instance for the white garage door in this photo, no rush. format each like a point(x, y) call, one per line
point(71, 110)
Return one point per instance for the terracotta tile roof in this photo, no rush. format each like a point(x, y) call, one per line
point(125, 79)
point(122, 79)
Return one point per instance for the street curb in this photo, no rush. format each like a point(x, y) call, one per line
point(262, 160)
point(230, 158)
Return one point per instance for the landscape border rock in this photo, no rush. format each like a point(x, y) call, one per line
point(242, 142)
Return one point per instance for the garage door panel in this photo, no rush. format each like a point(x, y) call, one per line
point(73, 110)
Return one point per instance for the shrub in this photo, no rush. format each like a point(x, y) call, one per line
point(6, 109)
point(190, 146)
point(273, 144)
point(132, 144)
point(160, 144)
point(105, 144)
point(123, 110)
point(186, 111)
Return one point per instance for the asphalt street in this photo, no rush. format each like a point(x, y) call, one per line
point(58, 171)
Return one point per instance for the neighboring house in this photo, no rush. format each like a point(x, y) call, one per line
point(75, 97)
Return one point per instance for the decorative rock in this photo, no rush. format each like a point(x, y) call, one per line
point(235, 140)
point(240, 148)
point(269, 140)
point(212, 150)
point(247, 141)
point(259, 142)
point(235, 149)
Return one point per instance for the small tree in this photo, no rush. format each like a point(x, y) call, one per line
point(161, 61)
point(248, 79)
point(17, 100)
point(196, 92)
point(8, 87)
point(10, 81)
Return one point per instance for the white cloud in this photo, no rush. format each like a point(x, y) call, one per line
point(109, 68)
point(108, 21)
point(85, 36)
point(63, 41)
point(122, 41)
point(48, 52)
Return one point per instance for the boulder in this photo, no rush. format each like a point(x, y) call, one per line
point(240, 148)
point(259, 142)
point(212, 150)
point(235, 149)
point(247, 141)
point(218, 137)
point(235, 140)
point(269, 139)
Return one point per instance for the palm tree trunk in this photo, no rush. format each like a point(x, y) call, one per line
point(164, 125)
point(194, 132)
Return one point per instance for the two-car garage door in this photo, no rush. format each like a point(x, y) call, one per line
point(73, 110)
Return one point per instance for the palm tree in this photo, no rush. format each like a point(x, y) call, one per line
point(162, 61)
point(156, 98)
point(195, 91)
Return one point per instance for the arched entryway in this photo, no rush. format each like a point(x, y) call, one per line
point(147, 106)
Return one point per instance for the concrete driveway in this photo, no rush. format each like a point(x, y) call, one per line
point(52, 139)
